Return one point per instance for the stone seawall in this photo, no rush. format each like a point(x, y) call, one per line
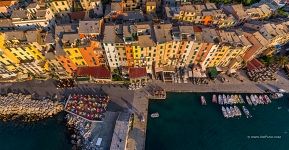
point(18, 106)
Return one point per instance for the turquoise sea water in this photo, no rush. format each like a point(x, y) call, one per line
point(48, 134)
point(186, 125)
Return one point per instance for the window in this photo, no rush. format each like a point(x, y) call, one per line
point(63, 3)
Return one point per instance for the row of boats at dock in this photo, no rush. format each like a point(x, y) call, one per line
point(252, 99)
point(234, 111)
point(228, 102)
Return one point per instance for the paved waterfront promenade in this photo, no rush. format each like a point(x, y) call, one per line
point(233, 86)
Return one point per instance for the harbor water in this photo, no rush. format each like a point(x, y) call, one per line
point(47, 134)
point(184, 124)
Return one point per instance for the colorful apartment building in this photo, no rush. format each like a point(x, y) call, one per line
point(58, 6)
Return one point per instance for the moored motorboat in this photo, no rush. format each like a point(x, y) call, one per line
point(267, 98)
point(229, 99)
point(203, 100)
point(233, 111)
point(220, 100)
point(233, 99)
point(276, 95)
point(237, 99)
point(257, 99)
point(225, 99)
point(214, 99)
point(282, 91)
point(248, 100)
point(263, 99)
point(225, 114)
point(237, 110)
point(229, 112)
point(253, 100)
point(246, 112)
point(241, 99)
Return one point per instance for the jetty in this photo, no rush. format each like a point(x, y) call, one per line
point(156, 92)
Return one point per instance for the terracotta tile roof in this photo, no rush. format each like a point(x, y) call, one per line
point(257, 63)
point(254, 64)
point(137, 73)
point(98, 72)
point(77, 15)
point(253, 50)
point(6, 3)
point(197, 29)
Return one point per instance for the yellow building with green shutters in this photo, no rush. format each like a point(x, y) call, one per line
point(136, 50)
point(75, 56)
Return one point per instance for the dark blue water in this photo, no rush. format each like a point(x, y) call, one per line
point(186, 125)
point(48, 134)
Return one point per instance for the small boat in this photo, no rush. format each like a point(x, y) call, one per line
point(229, 99)
point(248, 100)
point(257, 99)
point(214, 99)
point(203, 100)
point(241, 99)
point(282, 91)
point(246, 112)
point(237, 99)
point(233, 111)
point(229, 112)
point(220, 99)
point(253, 100)
point(225, 101)
point(155, 115)
point(238, 111)
point(267, 98)
point(224, 112)
point(276, 95)
point(261, 100)
point(233, 99)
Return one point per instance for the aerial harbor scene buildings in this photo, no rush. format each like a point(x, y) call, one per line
point(100, 61)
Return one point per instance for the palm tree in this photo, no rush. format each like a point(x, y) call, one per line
point(283, 61)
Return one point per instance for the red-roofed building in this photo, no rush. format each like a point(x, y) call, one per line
point(97, 73)
point(254, 64)
point(80, 15)
point(137, 74)
point(197, 29)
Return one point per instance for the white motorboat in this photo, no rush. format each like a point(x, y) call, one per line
point(225, 114)
point(248, 100)
point(246, 111)
point(155, 115)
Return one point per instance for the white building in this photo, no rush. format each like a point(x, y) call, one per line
point(112, 37)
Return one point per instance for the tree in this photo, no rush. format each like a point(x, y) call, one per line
point(282, 61)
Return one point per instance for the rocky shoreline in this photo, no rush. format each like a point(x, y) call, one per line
point(24, 108)
point(80, 131)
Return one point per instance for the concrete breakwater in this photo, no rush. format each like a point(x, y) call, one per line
point(19, 106)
